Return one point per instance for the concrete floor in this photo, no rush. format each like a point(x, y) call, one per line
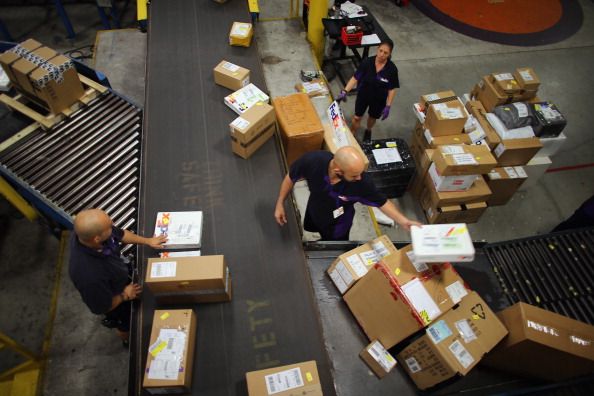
point(86, 358)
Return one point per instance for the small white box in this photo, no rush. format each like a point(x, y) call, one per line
point(183, 229)
point(440, 243)
point(450, 183)
point(551, 145)
point(241, 100)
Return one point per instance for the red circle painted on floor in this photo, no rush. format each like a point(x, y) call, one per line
point(503, 16)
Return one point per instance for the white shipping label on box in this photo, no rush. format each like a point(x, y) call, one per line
point(428, 136)
point(522, 109)
point(431, 97)
point(461, 354)
point(240, 123)
point(520, 172)
point(456, 291)
point(386, 155)
point(344, 273)
point(438, 331)
point(369, 257)
point(421, 300)
point(338, 282)
point(230, 66)
point(284, 381)
point(464, 159)
point(413, 365)
point(164, 269)
point(451, 113)
point(311, 87)
point(380, 249)
point(241, 29)
point(499, 150)
point(494, 175)
point(168, 352)
point(465, 330)
point(451, 149)
point(382, 356)
point(511, 172)
point(357, 264)
point(477, 134)
point(503, 77)
point(419, 265)
point(526, 75)
point(164, 369)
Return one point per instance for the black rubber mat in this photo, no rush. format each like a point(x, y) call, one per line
point(188, 165)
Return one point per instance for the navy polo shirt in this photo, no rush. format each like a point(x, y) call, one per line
point(376, 84)
point(98, 275)
point(325, 198)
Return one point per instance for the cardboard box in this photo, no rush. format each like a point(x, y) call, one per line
point(450, 183)
point(535, 169)
point(230, 75)
point(504, 182)
point(435, 141)
point(476, 109)
point(543, 344)
point(241, 34)
point(442, 243)
point(478, 192)
point(447, 118)
point(178, 280)
point(183, 229)
point(464, 213)
point(396, 298)
point(315, 87)
point(8, 58)
point(252, 129)
point(551, 145)
point(418, 184)
point(241, 100)
point(463, 160)
point(300, 126)
point(454, 344)
point(527, 79)
point(378, 359)
point(331, 143)
point(170, 355)
point(505, 84)
point(516, 152)
point(354, 264)
point(436, 97)
point(487, 94)
point(291, 380)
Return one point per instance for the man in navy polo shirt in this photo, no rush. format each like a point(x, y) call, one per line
point(336, 183)
point(99, 273)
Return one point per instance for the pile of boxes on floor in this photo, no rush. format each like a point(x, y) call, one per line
point(179, 277)
point(478, 154)
point(413, 299)
point(42, 75)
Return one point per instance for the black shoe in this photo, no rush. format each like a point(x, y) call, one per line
point(367, 137)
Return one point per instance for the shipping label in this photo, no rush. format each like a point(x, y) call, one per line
point(230, 66)
point(283, 381)
point(240, 123)
point(499, 150)
point(465, 330)
point(456, 291)
point(421, 300)
point(419, 265)
point(438, 331)
point(344, 273)
point(413, 365)
point(382, 356)
point(451, 149)
point(461, 354)
point(522, 109)
point(338, 282)
point(380, 249)
point(503, 76)
point(526, 75)
point(164, 269)
point(357, 265)
point(511, 172)
point(520, 172)
point(369, 257)
point(428, 136)
point(464, 159)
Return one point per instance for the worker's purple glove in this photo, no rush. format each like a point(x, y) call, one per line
point(385, 112)
point(342, 96)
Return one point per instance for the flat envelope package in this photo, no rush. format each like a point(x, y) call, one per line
point(241, 100)
point(171, 352)
point(543, 344)
point(453, 344)
point(230, 75)
point(378, 359)
point(183, 229)
point(401, 295)
point(291, 380)
point(189, 279)
point(241, 34)
point(252, 129)
point(300, 126)
point(354, 264)
point(442, 243)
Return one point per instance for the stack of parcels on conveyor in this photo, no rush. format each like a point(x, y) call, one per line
point(528, 130)
point(42, 75)
point(397, 295)
point(180, 278)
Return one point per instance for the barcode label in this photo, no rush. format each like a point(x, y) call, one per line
point(503, 77)
point(382, 356)
point(450, 149)
point(338, 282)
point(164, 269)
point(413, 365)
point(461, 354)
point(380, 249)
point(283, 381)
point(456, 291)
point(230, 66)
point(357, 265)
point(419, 265)
point(438, 331)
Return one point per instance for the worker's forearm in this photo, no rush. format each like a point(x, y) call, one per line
point(130, 237)
point(116, 300)
point(285, 189)
point(391, 96)
point(390, 210)
point(351, 84)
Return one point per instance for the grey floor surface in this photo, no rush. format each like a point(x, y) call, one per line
point(86, 359)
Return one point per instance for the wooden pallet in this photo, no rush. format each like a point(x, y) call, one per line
point(20, 103)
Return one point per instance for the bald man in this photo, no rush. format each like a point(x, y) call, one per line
point(336, 183)
point(99, 273)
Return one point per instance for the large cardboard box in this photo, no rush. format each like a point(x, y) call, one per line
point(291, 380)
point(241, 34)
point(178, 280)
point(476, 109)
point(535, 169)
point(230, 75)
point(243, 99)
point(183, 229)
point(527, 79)
point(478, 192)
point(463, 160)
point(450, 183)
point(488, 95)
point(516, 152)
point(378, 359)
point(454, 344)
point(170, 355)
point(543, 344)
point(8, 58)
point(300, 126)
point(436, 97)
point(504, 182)
point(418, 184)
point(438, 243)
point(464, 213)
point(354, 264)
point(252, 129)
point(331, 143)
point(447, 118)
point(397, 297)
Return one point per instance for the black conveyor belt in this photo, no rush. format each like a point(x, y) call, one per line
point(188, 165)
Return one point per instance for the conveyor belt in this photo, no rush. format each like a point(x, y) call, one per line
point(554, 271)
point(91, 159)
point(188, 165)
